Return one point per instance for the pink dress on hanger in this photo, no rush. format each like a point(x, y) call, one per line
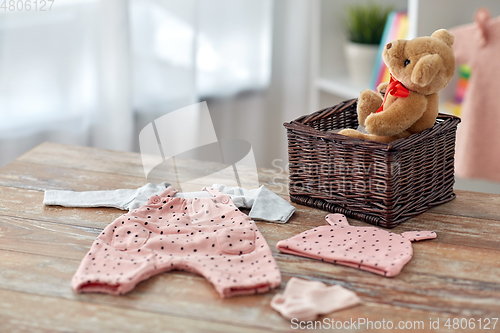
point(478, 136)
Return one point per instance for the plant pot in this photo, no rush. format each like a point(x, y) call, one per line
point(361, 62)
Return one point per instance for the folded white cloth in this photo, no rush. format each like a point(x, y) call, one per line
point(265, 205)
point(269, 206)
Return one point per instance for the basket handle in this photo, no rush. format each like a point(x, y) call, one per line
point(298, 126)
point(325, 112)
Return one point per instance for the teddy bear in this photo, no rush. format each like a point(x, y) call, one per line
point(419, 69)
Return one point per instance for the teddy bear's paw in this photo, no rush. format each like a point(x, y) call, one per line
point(373, 125)
point(382, 86)
point(358, 135)
point(369, 101)
point(378, 125)
point(352, 133)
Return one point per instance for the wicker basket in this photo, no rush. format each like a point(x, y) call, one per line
point(382, 184)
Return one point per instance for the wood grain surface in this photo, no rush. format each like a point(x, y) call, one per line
point(456, 275)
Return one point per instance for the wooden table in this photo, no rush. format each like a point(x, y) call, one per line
point(455, 276)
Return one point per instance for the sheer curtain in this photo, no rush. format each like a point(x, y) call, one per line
point(249, 59)
point(46, 77)
point(184, 50)
point(95, 72)
point(257, 116)
point(65, 77)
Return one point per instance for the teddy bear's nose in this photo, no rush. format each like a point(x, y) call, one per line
point(389, 45)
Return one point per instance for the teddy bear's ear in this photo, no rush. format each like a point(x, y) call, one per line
point(445, 36)
point(426, 69)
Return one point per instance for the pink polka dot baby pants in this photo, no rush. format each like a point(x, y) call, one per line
point(208, 236)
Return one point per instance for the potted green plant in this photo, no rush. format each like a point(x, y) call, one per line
point(365, 25)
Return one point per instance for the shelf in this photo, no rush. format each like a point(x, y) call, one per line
point(329, 80)
point(340, 86)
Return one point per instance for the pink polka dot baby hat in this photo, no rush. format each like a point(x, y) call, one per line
point(367, 248)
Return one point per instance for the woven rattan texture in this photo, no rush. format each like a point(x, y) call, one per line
point(382, 184)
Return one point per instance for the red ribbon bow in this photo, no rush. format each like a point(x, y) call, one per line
point(395, 88)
